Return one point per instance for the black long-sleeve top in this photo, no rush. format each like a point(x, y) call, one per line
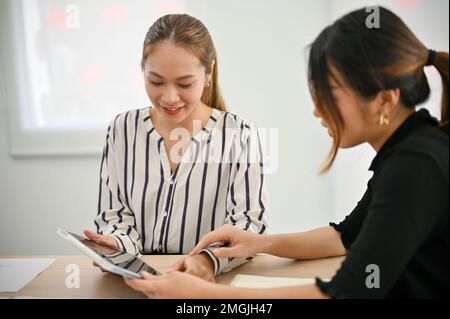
point(397, 237)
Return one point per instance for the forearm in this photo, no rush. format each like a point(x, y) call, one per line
point(295, 292)
point(313, 244)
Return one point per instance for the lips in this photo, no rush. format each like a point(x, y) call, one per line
point(172, 111)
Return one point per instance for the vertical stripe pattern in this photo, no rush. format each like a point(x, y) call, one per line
point(152, 210)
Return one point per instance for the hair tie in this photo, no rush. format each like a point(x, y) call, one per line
point(431, 57)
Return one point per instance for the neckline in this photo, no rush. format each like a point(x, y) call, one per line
point(210, 123)
point(207, 128)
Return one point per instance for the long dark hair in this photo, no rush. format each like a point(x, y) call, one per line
point(370, 60)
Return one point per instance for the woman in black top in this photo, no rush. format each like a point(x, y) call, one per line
point(366, 83)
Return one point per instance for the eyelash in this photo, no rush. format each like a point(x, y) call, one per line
point(186, 86)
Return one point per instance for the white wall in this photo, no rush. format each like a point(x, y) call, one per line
point(261, 46)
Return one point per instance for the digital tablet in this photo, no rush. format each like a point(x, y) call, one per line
point(112, 260)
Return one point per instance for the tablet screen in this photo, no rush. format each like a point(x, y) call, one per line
point(121, 259)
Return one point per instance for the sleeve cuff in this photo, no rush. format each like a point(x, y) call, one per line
point(126, 244)
point(336, 226)
point(345, 240)
point(328, 289)
point(215, 260)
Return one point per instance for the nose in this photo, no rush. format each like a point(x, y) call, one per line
point(170, 96)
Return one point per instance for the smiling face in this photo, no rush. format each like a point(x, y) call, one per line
point(174, 81)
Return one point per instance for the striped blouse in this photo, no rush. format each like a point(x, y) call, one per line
point(149, 209)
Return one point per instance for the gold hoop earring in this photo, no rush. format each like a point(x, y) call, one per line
point(384, 120)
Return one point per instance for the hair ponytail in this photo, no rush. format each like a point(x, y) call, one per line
point(212, 95)
point(440, 62)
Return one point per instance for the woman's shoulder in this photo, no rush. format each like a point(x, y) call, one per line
point(237, 132)
point(241, 129)
point(427, 141)
point(428, 145)
point(233, 120)
point(122, 122)
point(127, 116)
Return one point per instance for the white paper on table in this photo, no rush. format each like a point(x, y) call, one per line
point(15, 273)
point(250, 281)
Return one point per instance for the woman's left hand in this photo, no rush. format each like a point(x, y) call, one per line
point(173, 285)
point(200, 266)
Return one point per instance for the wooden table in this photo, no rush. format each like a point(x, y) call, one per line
point(51, 283)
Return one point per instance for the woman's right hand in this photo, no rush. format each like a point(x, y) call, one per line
point(241, 243)
point(105, 240)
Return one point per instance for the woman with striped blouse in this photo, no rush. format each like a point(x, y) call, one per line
point(175, 171)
